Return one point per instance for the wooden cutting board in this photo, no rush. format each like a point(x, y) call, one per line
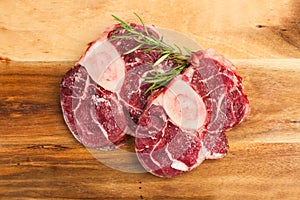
point(40, 159)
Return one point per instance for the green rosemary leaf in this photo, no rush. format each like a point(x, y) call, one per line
point(123, 24)
point(178, 48)
point(142, 22)
point(188, 51)
point(117, 37)
point(161, 59)
point(138, 40)
point(151, 88)
point(133, 49)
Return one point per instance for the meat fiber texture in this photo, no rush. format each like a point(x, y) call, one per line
point(185, 122)
point(104, 94)
point(104, 99)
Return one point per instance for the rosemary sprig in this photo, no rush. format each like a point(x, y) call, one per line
point(149, 42)
point(159, 80)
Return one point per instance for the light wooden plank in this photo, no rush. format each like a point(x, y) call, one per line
point(40, 159)
point(60, 31)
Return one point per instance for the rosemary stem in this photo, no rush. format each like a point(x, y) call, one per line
point(149, 42)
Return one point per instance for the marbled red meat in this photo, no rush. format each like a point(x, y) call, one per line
point(104, 99)
point(103, 96)
point(185, 122)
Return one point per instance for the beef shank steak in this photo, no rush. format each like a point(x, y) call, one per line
point(104, 94)
point(185, 122)
point(104, 99)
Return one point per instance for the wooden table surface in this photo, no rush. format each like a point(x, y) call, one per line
point(41, 40)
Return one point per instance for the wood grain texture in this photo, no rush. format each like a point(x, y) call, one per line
point(32, 30)
point(40, 159)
